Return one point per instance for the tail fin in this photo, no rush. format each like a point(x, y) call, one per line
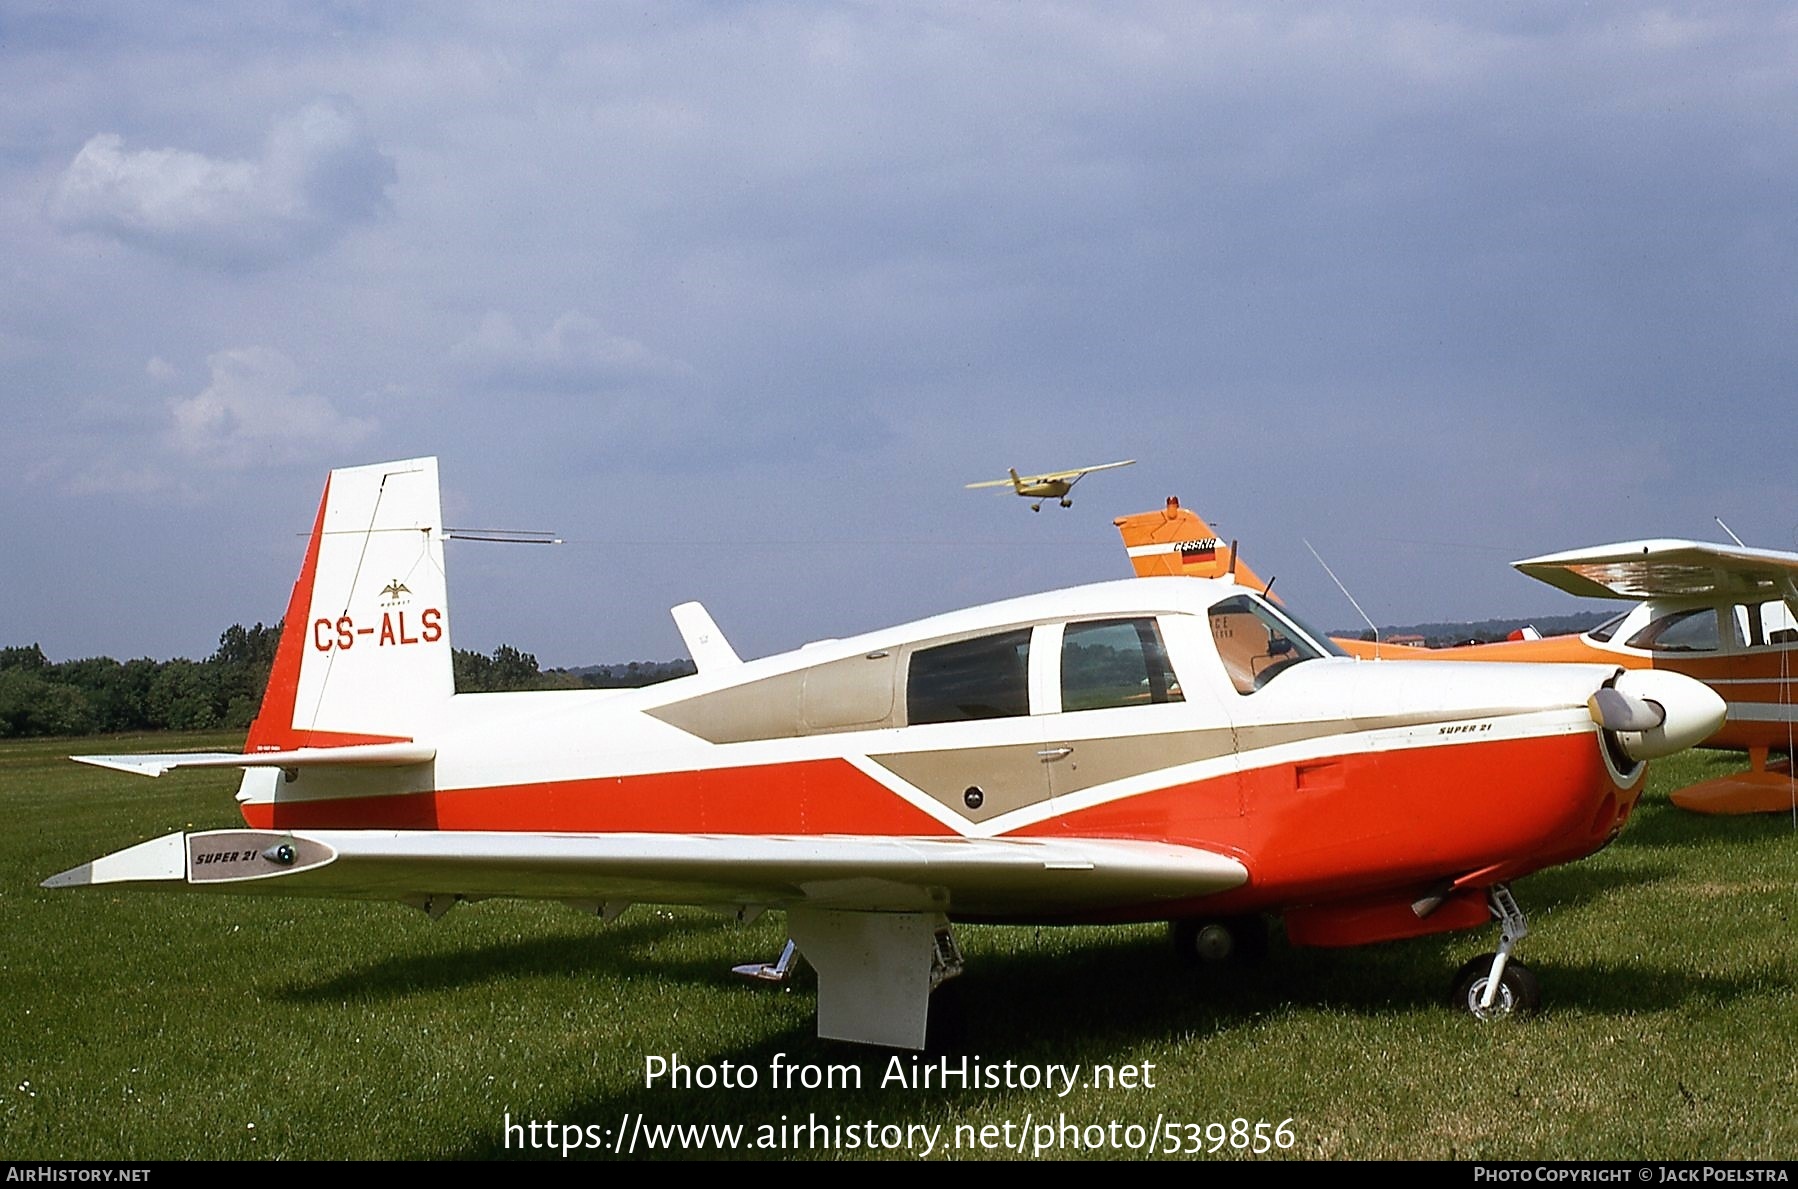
point(1176, 541)
point(365, 653)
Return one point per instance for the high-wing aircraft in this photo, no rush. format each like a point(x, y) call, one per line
point(1724, 614)
point(1050, 484)
point(1137, 750)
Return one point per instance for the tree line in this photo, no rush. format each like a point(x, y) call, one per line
point(102, 696)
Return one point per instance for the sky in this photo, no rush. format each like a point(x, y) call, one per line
point(736, 298)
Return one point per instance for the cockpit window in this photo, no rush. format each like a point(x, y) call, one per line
point(1115, 662)
point(1691, 630)
point(986, 677)
point(1256, 643)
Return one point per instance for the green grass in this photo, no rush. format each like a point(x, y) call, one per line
point(138, 1025)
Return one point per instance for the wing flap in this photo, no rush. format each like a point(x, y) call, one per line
point(1045, 877)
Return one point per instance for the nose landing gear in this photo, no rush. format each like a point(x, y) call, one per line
point(1491, 986)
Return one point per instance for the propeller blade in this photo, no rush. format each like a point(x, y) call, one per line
point(1615, 710)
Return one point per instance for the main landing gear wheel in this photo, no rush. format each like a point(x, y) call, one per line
point(946, 1027)
point(1220, 942)
point(1519, 994)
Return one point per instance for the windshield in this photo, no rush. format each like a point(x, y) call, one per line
point(1257, 643)
point(1604, 631)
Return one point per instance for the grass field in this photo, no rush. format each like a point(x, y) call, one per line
point(149, 1026)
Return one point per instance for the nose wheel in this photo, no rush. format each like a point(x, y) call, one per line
point(1518, 993)
point(1491, 986)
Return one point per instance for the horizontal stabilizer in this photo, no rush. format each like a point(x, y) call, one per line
point(1042, 877)
point(158, 860)
point(362, 755)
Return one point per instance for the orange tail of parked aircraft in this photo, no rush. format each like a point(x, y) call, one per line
point(1177, 541)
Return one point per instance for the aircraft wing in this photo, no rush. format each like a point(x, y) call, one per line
point(1039, 876)
point(1076, 472)
point(1666, 568)
point(1052, 476)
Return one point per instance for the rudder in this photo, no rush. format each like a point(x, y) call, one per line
point(365, 651)
point(1177, 541)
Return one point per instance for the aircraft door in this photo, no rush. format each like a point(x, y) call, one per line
point(971, 740)
point(1119, 714)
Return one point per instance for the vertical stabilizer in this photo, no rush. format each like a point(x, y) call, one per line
point(707, 644)
point(1179, 542)
point(365, 651)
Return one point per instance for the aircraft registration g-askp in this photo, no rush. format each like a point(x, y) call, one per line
point(1145, 749)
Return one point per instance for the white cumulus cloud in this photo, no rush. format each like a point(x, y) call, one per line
point(575, 353)
point(318, 173)
point(252, 413)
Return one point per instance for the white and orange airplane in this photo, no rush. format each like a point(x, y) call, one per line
point(1050, 485)
point(1136, 750)
point(1724, 614)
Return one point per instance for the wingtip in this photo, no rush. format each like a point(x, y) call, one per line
point(74, 877)
point(158, 860)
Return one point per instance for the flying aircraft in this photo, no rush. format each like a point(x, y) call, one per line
point(1049, 485)
point(1136, 750)
point(1726, 615)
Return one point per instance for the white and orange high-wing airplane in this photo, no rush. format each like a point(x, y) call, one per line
point(1724, 614)
point(1146, 749)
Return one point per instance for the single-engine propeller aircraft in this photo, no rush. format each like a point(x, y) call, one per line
point(1724, 614)
point(1050, 484)
point(1145, 749)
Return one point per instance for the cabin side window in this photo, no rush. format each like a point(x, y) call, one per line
point(986, 677)
point(1115, 662)
point(1766, 625)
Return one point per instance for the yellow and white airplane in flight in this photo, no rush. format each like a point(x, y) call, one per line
point(1050, 484)
point(1151, 749)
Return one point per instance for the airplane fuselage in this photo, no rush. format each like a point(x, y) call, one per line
point(1333, 781)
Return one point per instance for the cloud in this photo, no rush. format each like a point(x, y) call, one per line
point(252, 415)
point(319, 173)
point(575, 354)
